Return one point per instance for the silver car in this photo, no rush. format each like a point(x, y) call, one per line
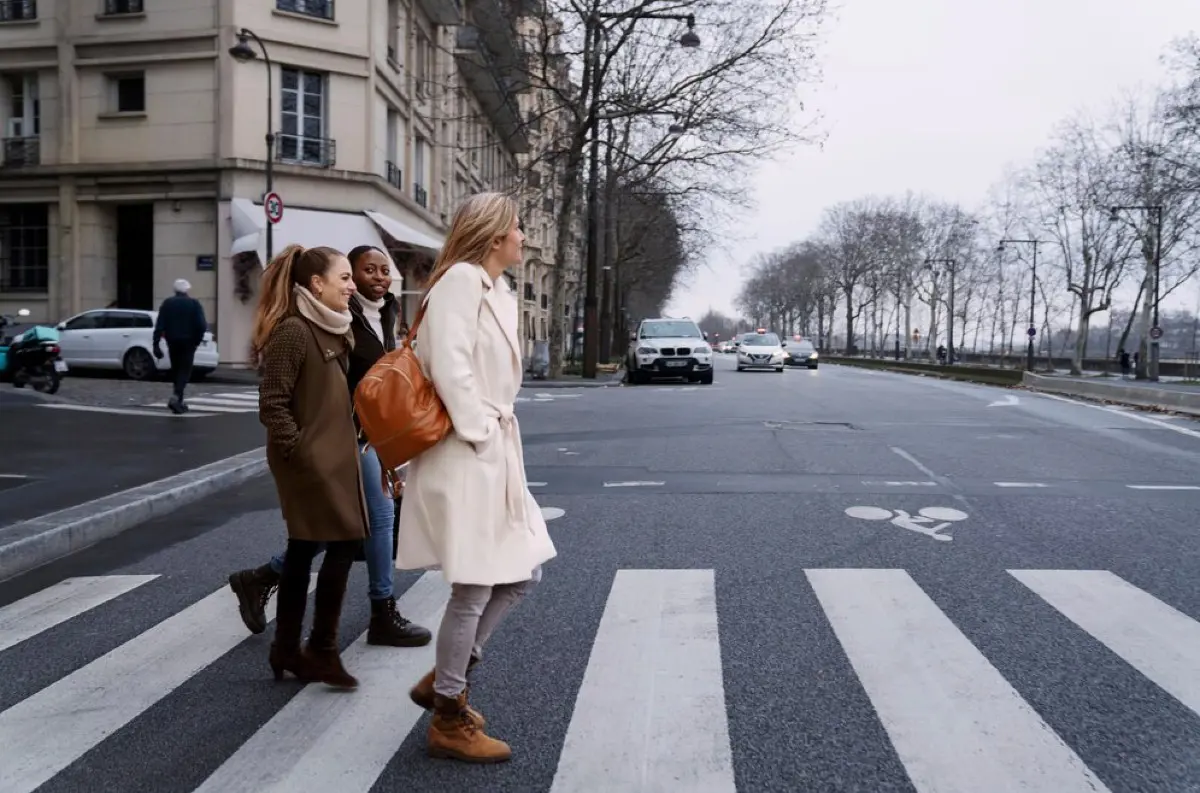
point(760, 350)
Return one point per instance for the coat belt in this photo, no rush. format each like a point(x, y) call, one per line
point(514, 477)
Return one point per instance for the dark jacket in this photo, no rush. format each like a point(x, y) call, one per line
point(367, 348)
point(311, 451)
point(180, 321)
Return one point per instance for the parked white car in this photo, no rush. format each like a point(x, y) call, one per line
point(123, 338)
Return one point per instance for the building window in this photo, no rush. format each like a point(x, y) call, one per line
point(18, 10)
point(302, 120)
point(24, 248)
point(321, 9)
point(114, 8)
point(129, 93)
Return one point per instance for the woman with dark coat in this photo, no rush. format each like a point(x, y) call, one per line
point(301, 343)
point(373, 311)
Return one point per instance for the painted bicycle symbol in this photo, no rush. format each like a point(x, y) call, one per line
point(928, 521)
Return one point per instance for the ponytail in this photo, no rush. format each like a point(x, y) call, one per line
point(274, 299)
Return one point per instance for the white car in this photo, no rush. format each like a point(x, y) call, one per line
point(669, 348)
point(760, 350)
point(123, 338)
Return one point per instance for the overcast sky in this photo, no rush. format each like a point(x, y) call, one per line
point(937, 97)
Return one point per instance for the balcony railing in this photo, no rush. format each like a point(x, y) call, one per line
point(319, 152)
point(421, 195)
point(18, 10)
point(19, 152)
point(395, 176)
point(113, 8)
point(321, 9)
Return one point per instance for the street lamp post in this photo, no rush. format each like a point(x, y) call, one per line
point(950, 266)
point(591, 328)
point(243, 53)
point(1155, 331)
point(1032, 331)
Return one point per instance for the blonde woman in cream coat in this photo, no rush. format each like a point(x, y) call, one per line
point(467, 508)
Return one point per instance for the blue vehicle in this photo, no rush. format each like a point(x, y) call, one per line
point(30, 356)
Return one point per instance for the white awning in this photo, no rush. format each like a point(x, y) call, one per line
point(402, 232)
point(311, 228)
point(248, 221)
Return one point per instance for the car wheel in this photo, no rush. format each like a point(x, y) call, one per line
point(706, 378)
point(812, 367)
point(138, 365)
point(780, 369)
point(741, 368)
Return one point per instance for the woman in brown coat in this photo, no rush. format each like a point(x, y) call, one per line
point(301, 341)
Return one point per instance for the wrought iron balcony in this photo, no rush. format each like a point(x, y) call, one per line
point(20, 152)
point(321, 9)
point(442, 12)
point(493, 85)
point(421, 196)
point(395, 176)
point(113, 8)
point(319, 152)
point(18, 10)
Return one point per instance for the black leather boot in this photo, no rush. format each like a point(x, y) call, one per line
point(389, 628)
point(253, 589)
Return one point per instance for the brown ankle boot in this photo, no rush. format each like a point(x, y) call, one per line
point(454, 735)
point(285, 653)
point(422, 694)
point(253, 589)
point(321, 653)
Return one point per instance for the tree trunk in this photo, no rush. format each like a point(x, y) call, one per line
point(1142, 371)
point(849, 320)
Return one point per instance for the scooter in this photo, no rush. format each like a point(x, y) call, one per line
point(31, 357)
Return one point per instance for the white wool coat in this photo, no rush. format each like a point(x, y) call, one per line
point(467, 508)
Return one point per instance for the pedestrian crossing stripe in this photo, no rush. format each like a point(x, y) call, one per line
point(231, 402)
point(651, 711)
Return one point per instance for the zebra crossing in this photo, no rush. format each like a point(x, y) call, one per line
point(205, 404)
point(651, 710)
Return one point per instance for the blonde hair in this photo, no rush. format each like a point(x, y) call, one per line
point(295, 264)
point(478, 222)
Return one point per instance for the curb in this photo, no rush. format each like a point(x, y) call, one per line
point(35, 542)
point(1147, 398)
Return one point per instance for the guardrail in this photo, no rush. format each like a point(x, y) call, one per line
point(1137, 395)
point(972, 374)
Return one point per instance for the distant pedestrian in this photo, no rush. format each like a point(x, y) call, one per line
point(1123, 356)
point(181, 323)
point(301, 343)
point(467, 508)
point(373, 311)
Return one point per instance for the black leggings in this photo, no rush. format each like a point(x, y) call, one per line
point(339, 557)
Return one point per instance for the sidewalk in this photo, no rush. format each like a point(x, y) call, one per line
point(1170, 396)
point(69, 479)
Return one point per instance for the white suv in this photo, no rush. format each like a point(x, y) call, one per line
point(669, 348)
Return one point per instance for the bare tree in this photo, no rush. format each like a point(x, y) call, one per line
point(735, 95)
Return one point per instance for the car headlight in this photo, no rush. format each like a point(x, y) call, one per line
point(703, 349)
point(647, 351)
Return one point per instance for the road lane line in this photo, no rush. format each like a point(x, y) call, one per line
point(650, 714)
point(42, 735)
point(56, 604)
point(953, 719)
point(634, 484)
point(1154, 638)
point(14, 476)
point(328, 740)
point(1163, 487)
point(1129, 414)
point(143, 411)
point(1020, 484)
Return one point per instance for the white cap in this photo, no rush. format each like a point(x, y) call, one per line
point(181, 285)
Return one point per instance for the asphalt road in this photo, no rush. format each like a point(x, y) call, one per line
point(738, 604)
point(53, 457)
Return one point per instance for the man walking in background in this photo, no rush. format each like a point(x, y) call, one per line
point(182, 324)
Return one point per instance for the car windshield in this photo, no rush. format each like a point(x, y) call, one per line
point(801, 347)
point(671, 330)
point(761, 340)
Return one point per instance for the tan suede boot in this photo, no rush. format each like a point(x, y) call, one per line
point(422, 694)
point(454, 735)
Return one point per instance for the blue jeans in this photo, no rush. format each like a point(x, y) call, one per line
point(381, 514)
